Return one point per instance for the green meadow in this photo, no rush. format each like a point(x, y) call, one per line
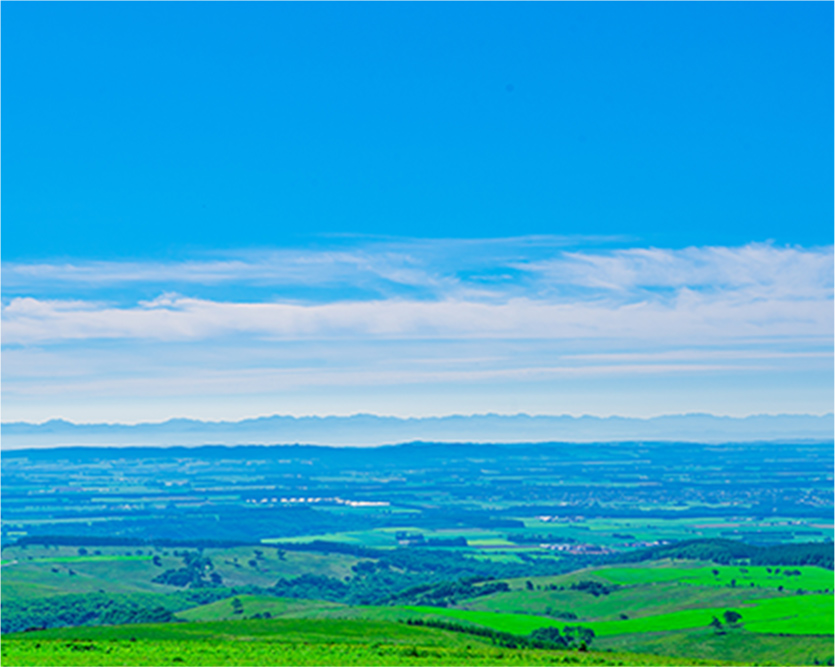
point(283, 642)
point(246, 606)
point(37, 572)
point(789, 578)
point(641, 613)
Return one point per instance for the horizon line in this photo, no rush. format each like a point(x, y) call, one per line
point(417, 418)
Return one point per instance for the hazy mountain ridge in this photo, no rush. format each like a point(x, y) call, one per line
point(370, 430)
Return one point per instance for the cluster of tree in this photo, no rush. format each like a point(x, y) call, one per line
point(787, 573)
point(455, 565)
point(556, 613)
point(195, 573)
point(448, 592)
point(375, 585)
point(728, 552)
point(732, 619)
point(594, 588)
point(542, 638)
point(310, 586)
point(323, 546)
point(574, 636)
point(89, 609)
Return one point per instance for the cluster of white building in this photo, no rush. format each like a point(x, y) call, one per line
point(312, 501)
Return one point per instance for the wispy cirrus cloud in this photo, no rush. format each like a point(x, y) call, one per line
point(762, 268)
point(423, 326)
point(534, 267)
point(690, 317)
point(485, 290)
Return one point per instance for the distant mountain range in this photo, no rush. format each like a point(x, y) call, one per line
point(371, 430)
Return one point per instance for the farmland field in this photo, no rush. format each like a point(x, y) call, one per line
point(469, 540)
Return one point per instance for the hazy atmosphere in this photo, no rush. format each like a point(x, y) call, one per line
point(472, 334)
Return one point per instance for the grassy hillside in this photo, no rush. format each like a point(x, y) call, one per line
point(677, 593)
point(283, 642)
point(37, 572)
point(669, 607)
point(743, 647)
point(247, 606)
point(800, 615)
point(31, 571)
point(757, 576)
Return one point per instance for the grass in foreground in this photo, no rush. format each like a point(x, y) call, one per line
point(738, 646)
point(286, 642)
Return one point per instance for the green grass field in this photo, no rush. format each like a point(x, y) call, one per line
point(809, 579)
point(796, 615)
point(259, 604)
point(634, 601)
point(37, 572)
point(287, 642)
point(697, 573)
point(240, 566)
point(737, 646)
point(660, 597)
point(661, 607)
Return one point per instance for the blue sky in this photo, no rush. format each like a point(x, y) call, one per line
point(223, 210)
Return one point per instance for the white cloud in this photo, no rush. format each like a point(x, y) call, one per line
point(690, 316)
point(759, 269)
point(491, 318)
point(454, 269)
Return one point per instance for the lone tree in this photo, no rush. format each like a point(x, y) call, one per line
point(716, 624)
point(731, 617)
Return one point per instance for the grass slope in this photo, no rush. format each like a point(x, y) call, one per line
point(285, 642)
point(737, 646)
point(697, 573)
point(36, 572)
point(809, 578)
point(258, 604)
point(634, 601)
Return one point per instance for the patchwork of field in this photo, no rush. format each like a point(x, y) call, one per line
point(552, 533)
point(420, 554)
point(525, 498)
